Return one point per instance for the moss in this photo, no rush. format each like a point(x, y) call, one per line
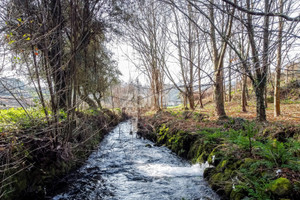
point(247, 162)
point(236, 195)
point(222, 165)
point(163, 130)
point(161, 139)
point(250, 176)
point(162, 136)
point(227, 174)
point(221, 182)
point(280, 187)
point(216, 156)
point(221, 177)
point(227, 188)
point(211, 158)
point(179, 142)
point(215, 179)
point(195, 150)
point(203, 157)
point(237, 164)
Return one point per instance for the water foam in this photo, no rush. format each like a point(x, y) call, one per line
point(164, 170)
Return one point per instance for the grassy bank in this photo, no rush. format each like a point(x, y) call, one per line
point(249, 160)
point(31, 164)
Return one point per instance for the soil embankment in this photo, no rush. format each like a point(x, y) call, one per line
point(247, 159)
point(35, 165)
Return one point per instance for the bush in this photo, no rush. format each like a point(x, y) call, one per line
point(270, 99)
point(18, 118)
point(277, 152)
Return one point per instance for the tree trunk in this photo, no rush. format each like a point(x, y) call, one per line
point(266, 96)
point(218, 61)
point(229, 77)
point(191, 58)
point(260, 103)
point(224, 87)
point(219, 96)
point(278, 67)
point(59, 74)
point(229, 86)
point(156, 79)
point(199, 85)
point(161, 95)
point(244, 97)
point(191, 100)
point(261, 72)
point(265, 57)
point(84, 97)
point(185, 101)
point(112, 98)
point(199, 69)
point(98, 100)
point(247, 94)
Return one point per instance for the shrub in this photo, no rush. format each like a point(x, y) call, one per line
point(18, 118)
point(276, 152)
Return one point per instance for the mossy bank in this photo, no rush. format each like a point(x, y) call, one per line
point(246, 162)
point(36, 166)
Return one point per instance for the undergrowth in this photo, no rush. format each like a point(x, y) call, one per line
point(268, 156)
point(18, 118)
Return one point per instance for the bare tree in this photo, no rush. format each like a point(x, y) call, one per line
point(279, 62)
point(147, 38)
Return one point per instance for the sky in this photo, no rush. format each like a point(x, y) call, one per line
point(123, 54)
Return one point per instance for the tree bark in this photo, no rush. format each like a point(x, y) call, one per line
point(259, 82)
point(265, 57)
point(218, 60)
point(244, 96)
point(224, 85)
point(191, 59)
point(199, 85)
point(229, 77)
point(59, 74)
point(278, 67)
point(219, 100)
point(260, 105)
point(85, 97)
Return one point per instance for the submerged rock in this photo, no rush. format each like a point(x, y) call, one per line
point(148, 145)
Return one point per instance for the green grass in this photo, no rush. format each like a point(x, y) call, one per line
point(267, 155)
point(289, 101)
point(18, 118)
point(180, 106)
point(271, 152)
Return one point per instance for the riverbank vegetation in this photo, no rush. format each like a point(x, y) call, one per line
point(219, 63)
point(248, 159)
point(30, 163)
point(57, 69)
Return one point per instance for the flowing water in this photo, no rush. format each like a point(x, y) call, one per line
point(127, 168)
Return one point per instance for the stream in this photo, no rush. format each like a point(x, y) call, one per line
point(126, 167)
